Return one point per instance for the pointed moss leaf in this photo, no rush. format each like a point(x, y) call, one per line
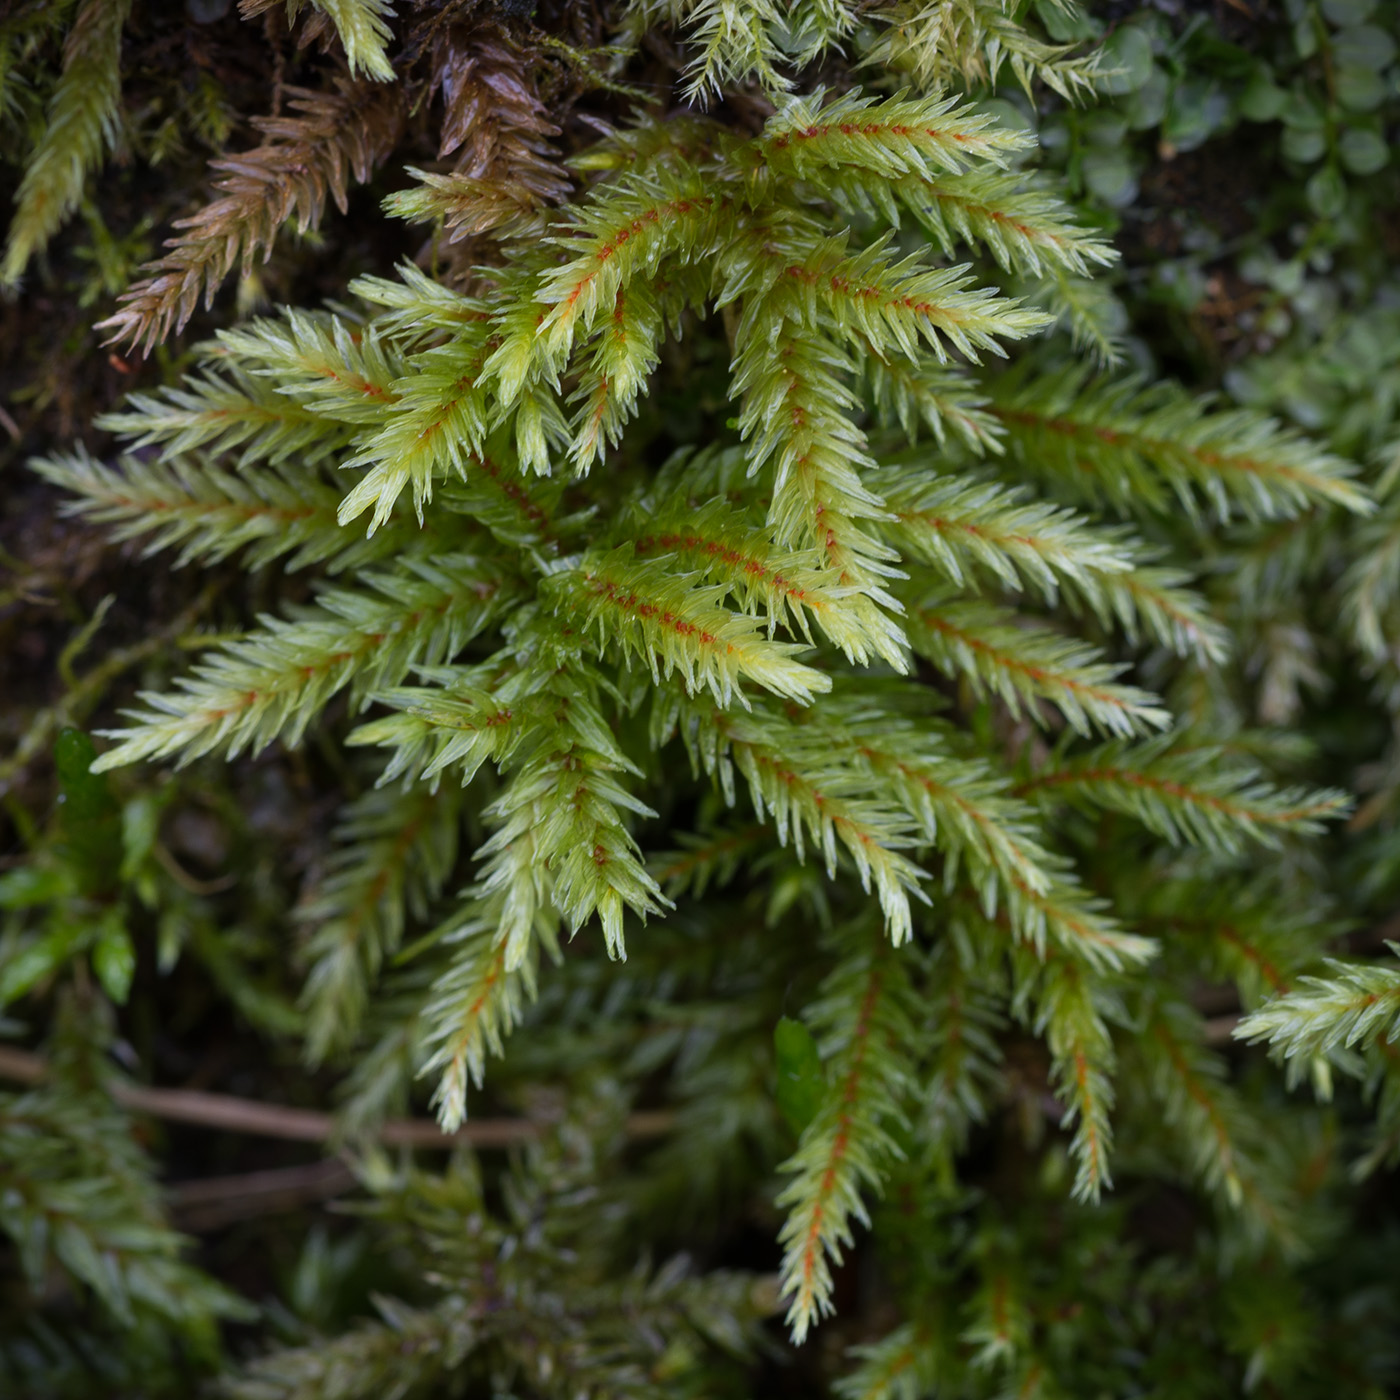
point(364, 31)
point(30, 885)
point(114, 958)
point(88, 812)
point(22, 971)
point(801, 1079)
point(85, 794)
point(140, 827)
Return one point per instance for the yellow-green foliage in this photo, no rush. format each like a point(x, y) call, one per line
point(83, 123)
point(740, 595)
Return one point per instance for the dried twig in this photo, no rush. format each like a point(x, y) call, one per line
point(214, 1202)
point(302, 1124)
point(1220, 1030)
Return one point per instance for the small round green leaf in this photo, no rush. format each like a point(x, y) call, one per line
point(1006, 114)
point(1364, 47)
point(1126, 61)
point(1327, 192)
point(1345, 12)
point(1362, 152)
point(1359, 88)
point(1109, 175)
point(1180, 284)
point(1197, 111)
point(1301, 113)
point(1104, 129)
point(1065, 25)
point(1263, 100)
point(1303, 146)
point(1148, 105)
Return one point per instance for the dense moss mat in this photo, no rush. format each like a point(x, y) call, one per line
point(783, 616)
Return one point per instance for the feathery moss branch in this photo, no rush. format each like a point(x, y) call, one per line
point(83, 123)
point(335, 137)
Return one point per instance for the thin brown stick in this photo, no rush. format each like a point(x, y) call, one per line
point(211, 1203)
point(307, 1125)
point(1220, 1030)
point(323, 1178)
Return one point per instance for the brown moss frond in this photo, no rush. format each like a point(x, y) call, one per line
point(507, 170)
point(331, 139)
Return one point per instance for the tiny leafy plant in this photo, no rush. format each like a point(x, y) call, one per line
point(769, 623)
